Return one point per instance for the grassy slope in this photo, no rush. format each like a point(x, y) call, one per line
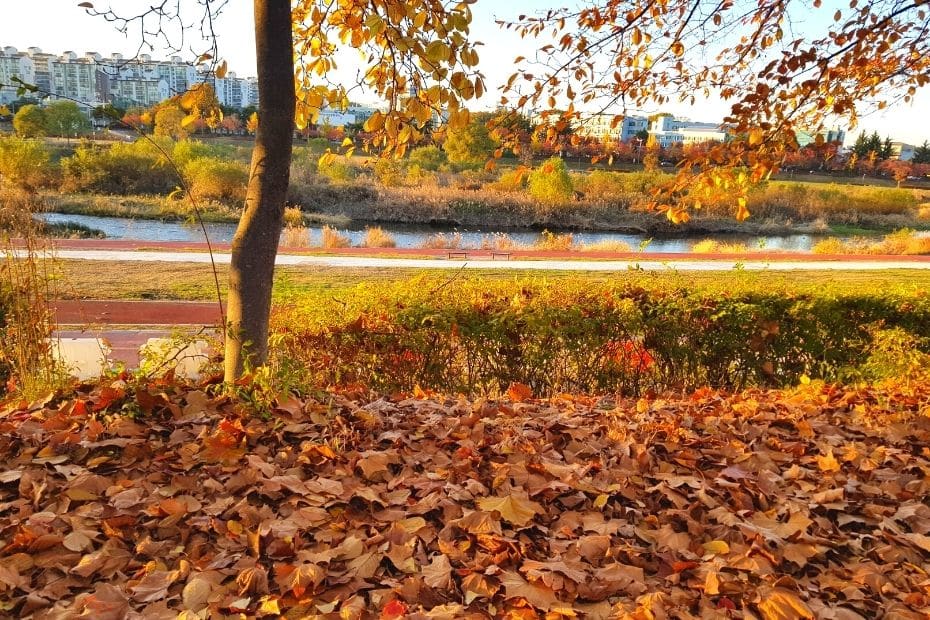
point(190, 281)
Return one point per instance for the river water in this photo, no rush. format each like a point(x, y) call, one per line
point(413, 236)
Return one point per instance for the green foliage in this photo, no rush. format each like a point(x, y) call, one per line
point(24, 163)
point(429, 157)
point(478, 336)
point(922, 154)
point(897, 354)
point(65, 118)
point(337, 169)
point(217, 179)
point(30, 122)
point(135, 168)
point(550, 183)
point(390, 172)
point(470, 146)
point(169, 122)
point(510, 181)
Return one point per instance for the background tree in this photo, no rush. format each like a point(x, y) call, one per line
point(65, 118)
point(471, 145)
point(922, 154)
point(887, 150)
point(168, 121)
point(107, 114)
point(777, 80)
point(30, 121)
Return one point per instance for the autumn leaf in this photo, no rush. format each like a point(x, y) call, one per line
point(828, 463)
point(782, 604)
point(519, 392)
point(514, 509)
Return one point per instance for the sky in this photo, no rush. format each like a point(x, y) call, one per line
point(60, 25)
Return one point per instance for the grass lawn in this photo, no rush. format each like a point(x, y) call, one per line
point(82, 279)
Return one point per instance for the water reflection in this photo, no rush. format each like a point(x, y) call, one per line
point(411, 236)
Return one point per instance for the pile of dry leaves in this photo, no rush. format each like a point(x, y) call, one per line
point(804, 504)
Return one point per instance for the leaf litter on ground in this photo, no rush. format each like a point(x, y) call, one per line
point(807, 503)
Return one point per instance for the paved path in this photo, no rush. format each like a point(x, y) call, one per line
point(106, 312)
point(640, 261)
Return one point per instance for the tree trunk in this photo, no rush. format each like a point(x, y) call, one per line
point(255, 244)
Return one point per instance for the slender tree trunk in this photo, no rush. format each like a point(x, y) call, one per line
point(255, 244)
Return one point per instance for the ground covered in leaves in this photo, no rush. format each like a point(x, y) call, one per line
point(149, 502)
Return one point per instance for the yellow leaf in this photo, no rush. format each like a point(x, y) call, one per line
point(221, 70)
point(782, 604)
point(516, 510)
point(756, 136)
point(347, 142)
point(712, 584)
point(601, 500)
point(717, 547)
point(828, 462)
point(269, 606)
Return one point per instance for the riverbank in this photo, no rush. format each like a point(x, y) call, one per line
point(355, 206)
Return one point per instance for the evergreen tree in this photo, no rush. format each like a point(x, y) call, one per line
point(861, 146)
point(922, 154)
point(886, 151)
point(874, 144)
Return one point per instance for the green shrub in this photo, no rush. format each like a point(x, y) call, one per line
point(336, 168)
point(510, 181)
point(550, 183)
point(390, 172)
point(24, 163)
point(429, 157)
point(135, 168)
point(478, 336)
point(217, 179)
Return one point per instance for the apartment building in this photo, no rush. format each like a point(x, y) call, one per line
point(94, 79)
point(807, 137)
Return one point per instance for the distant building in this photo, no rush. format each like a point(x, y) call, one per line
point(668, 130)
point(806, 138)
point(93, 80)
point(602, 126)
point(902, 151)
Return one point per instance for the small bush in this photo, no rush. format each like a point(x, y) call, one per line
point(550, 183)
point(293, 217)
point(712, 246)
point(135, 168)
point(24, 163)
point(429, 157)
point(554, 241)
point(499, 241)
point(215, 179)
point(336, 168)
point(332, 238)
point(376, 237)
point(510, 181)
point(390, 172)
point(831, 245)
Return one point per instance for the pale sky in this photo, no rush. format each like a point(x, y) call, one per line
point(60, 25)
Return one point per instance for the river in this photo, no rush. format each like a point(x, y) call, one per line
point(414, 236)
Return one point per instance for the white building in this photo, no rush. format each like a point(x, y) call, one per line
point(14, 64)
point(603, 126)
point(669, 130)
point(806, 138)
point(94, 80)
point(902, 151)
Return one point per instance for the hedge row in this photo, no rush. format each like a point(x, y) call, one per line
point(478, 337)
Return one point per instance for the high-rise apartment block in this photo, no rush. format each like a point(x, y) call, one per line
point(93, 80)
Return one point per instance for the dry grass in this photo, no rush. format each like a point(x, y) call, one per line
point(902, 242)
point(295, 237)
point(443, 241)
point(556, 242)
point(923, 212)
point(712, 246)
point(607, 246)
point(377, 237)
point(293, 217)
point(499, 241)
point(332, 238)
